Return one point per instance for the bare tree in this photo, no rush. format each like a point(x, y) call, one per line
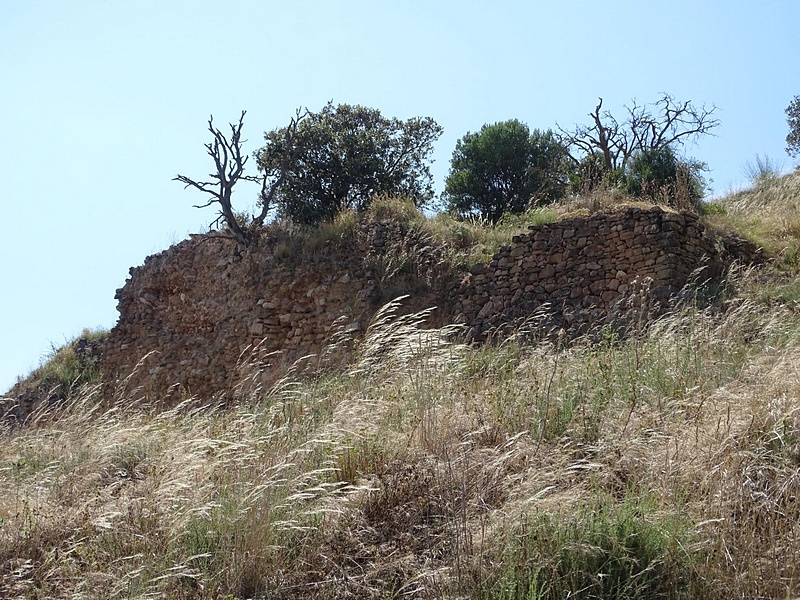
point(229, 166)
point(647, 128)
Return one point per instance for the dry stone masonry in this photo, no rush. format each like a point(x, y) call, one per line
point(193, 316)
point(584, 272)
point(190, 314)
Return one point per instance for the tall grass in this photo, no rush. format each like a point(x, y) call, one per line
point(664, 465)
point(661, 466)
point(605, 549)
point(767, 214)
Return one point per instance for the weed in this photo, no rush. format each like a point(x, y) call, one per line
point(763, 171)
point(402, 211)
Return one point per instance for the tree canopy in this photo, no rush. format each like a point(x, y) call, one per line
point(505, 168)
point(343, 156)
point(661, 174)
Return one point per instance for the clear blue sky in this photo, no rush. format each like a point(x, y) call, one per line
point(103, 102)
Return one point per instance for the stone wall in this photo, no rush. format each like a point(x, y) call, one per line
point(581, 273)
point(189, 314)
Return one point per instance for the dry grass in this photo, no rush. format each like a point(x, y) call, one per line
point(665, 466)
point(459, 243)
point(604, 200)
point(767, 214)
point(662, 466)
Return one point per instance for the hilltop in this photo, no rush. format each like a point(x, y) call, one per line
point(655, 461)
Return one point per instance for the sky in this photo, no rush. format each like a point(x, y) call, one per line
point(104, 102)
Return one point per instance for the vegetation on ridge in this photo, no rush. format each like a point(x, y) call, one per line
point(343, 157)
point(64, 372)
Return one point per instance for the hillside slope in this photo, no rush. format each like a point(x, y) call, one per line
point(664, 466)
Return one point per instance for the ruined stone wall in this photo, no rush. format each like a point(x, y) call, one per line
point(189, 316)
point(581, 273)
point(188, 313)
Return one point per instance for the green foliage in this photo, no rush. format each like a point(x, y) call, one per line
point(651, 170)
point(786, 293)
point(660, 174)
point(505, 168)
point(712, 208)
point(657, 175)
point(639, 150)
point(607, 550)
point(531, 217)
point(590, 174)
point(343, 156)
point(793, 119)
point(70, 366)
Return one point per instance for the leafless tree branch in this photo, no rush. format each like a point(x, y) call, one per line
point(669, 123)
point(229, 164)
point(272, 180)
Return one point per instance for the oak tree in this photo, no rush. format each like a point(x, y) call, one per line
point(343, 156)
point(505, 168)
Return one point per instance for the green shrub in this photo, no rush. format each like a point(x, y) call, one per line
point(70, 366)
point(344, 156)
point(606, 550)
point(660, 175)
point(505, 168)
